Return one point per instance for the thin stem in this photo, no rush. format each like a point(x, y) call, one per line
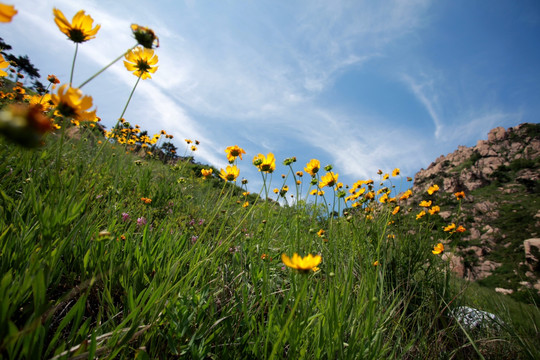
point(127, 103)
point(73, 64)
point(106, 67)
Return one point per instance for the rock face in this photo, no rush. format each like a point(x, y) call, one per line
point(501, 210)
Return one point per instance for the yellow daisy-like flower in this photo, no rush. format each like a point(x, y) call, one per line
point(395, 172)
point(460, 229)
point(246, 204)
point(265, 164)
point(79, 29)
point(460, 195)
point(206, 173)
point(433, 189)
point(330, 179)
point(434, 210)
point(303, 264)
point(396, 210)
point(145, 36)
point(3, 65)
point(425, 203)
point(142, 62)
point(71, 103)
point(7, 12)
point(437, 249)
point(407, 194)
point(312, 167)
point(233, 152)
point(230, 173)
point(450, 227)
point(321, 233)
point(420, 215)
point(385, 177)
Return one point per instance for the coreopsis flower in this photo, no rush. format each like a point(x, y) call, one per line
point(450, 228)
point(321, 233)
point(420, 215)
point(283, 191)
point(395, 172)
point(193, 148)
point(206, 173)
point(313, 192)
point(302, 264)
point(142, 62)
point(299, 173)
point(53, 79)
point(7, 12)
point(384, 198)
point(376, 263)
point(434, 210)
point(3, 65)
point(24, 124)
point(395, 211)
point(425, 203)
point(145, 36)
point(233, 152)
point(460, 195)
point(276, 190)
point(433, 189)
point(265, 164)
point(146, 200)
point(437, 249)
point(407, 194)
point(71, 103)
point(230, 173)
point(245, 204)
point(385, 177)
point(460, 229)
point(79, 29)
point(312, 167)
point(329, 179)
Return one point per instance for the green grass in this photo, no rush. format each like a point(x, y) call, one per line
point(203, 277)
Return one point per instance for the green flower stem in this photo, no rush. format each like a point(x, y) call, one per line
point(73, 64)
point(106, 67)
point(127, 103)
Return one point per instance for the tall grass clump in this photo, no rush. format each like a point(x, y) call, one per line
point(114, 247)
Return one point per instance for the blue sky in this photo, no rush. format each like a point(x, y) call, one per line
point(361, 85)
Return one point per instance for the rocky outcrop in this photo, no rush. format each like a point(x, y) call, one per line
point(501, 179)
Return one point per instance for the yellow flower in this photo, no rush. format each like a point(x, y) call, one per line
point(276, 190)
point(450, 227)
point(145, 36)
point(3, 65)
point(313, 192)
point(407, 194)
point(437, 249)
point(230, 173)
point(193, 148)
point(434, 210)
point(80, 28)
point(376, 263)
point(312, 167)
point(206, 173)
point(142, 62)
point(24, 124)
point(459, 195)
point(284, 190)
point(265, 164)
point(460, 229)
point(299, 174)
point(433, 189)
point(71, 103)
point(7, 12)
point(53, 79)
point(420, 215)
point(233, 152)
point(330, 179)
point(395, 172)
point(396, 210)
point(304, 264)
point(385, 177)
point(321, 233)
point(425, 203)
point(246, 204)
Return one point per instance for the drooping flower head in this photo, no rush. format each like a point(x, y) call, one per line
point(142, 62)
point(53, 79)
point(312, 167)
point(230, 173)
point(265, 163)
point(233, 152)
point(303, 264)
point(71, 103)
point(80, 28)
point(7, 12)
point(330, 179)
point(145, 36)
